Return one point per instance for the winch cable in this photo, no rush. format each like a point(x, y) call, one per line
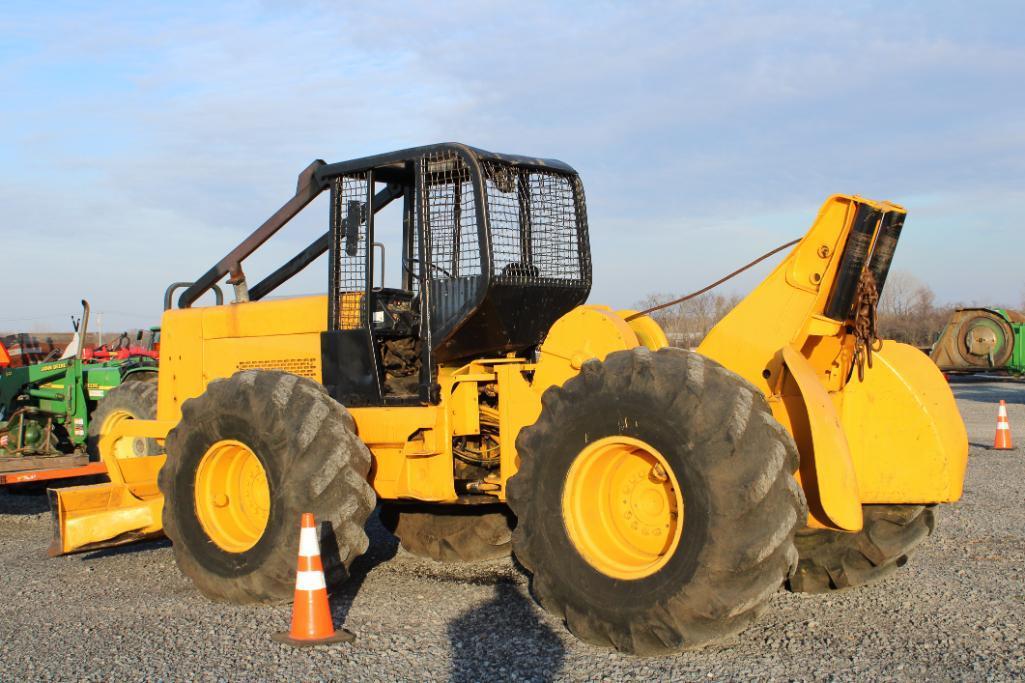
point(715, 284)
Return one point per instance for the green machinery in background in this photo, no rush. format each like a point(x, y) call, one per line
point(982, 340)
point(51, 412)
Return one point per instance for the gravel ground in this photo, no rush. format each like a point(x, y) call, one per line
point(955, 612)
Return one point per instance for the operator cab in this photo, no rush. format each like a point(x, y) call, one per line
point(494, 249)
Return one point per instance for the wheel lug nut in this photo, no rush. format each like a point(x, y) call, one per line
point(658, 473)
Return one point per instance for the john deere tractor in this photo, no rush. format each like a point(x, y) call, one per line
point(657, 496)
point(52, 412)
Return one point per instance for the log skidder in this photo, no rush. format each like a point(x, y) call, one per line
point(656, 492)
point(656, 503)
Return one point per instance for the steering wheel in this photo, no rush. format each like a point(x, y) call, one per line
point(415, 275)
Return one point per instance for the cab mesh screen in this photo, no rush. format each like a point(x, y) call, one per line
point(535, 218)
point(349, 214)
point(454, 243)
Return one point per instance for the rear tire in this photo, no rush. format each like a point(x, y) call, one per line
point(131, 400)
point(464, 533)
point(833, 560)
point(142, 376)
point(312, 461)
point(741, 505)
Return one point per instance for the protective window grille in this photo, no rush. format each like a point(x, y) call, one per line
point(349, 213)
point(535, 220)
point(451, 207)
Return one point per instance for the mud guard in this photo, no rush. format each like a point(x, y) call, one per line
point(907, 440)
point(834, 467)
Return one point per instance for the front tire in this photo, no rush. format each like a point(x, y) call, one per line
point(128, 401)
point(249, 456)
point(695, 475)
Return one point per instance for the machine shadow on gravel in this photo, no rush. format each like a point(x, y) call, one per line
point(128, 549)
point(20, 500)
point(383, 547)
point(504, 639)
point(31, 498)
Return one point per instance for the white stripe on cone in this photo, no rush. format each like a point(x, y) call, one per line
point(309, 581)
point(309, 544)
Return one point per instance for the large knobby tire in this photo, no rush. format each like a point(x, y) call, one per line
point(832, 560)
point(734, 465)
point(150, 376)
point(457, 533)
point(131, 401)
point(312, 461)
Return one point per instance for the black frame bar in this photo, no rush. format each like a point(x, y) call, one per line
point(316, 177)
point(315, 250)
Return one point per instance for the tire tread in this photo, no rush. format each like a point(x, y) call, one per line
point(731, 429)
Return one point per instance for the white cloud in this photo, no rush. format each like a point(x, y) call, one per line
point(185, 127)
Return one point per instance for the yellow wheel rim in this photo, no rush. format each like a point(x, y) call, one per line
point(126, 446)
point(623, 507)
point(232, 496)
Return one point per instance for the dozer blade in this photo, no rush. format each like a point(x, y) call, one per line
point(102, 516)
point(127, 509)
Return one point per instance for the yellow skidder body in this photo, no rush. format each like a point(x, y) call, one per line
point(412, 446)
point(624, 452)
point(891, 436)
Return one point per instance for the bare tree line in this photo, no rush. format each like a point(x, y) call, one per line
point(686, 324)
point(907, 312)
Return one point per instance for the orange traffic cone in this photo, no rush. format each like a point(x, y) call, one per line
point(1002, 440)
point(311, 612)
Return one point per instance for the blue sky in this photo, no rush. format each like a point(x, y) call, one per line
point(142, 141)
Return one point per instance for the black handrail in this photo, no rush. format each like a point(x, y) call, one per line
point(169, 293)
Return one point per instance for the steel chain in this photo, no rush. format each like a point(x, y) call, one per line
point(865, 332)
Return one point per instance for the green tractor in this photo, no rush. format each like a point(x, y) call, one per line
point(51, 413)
